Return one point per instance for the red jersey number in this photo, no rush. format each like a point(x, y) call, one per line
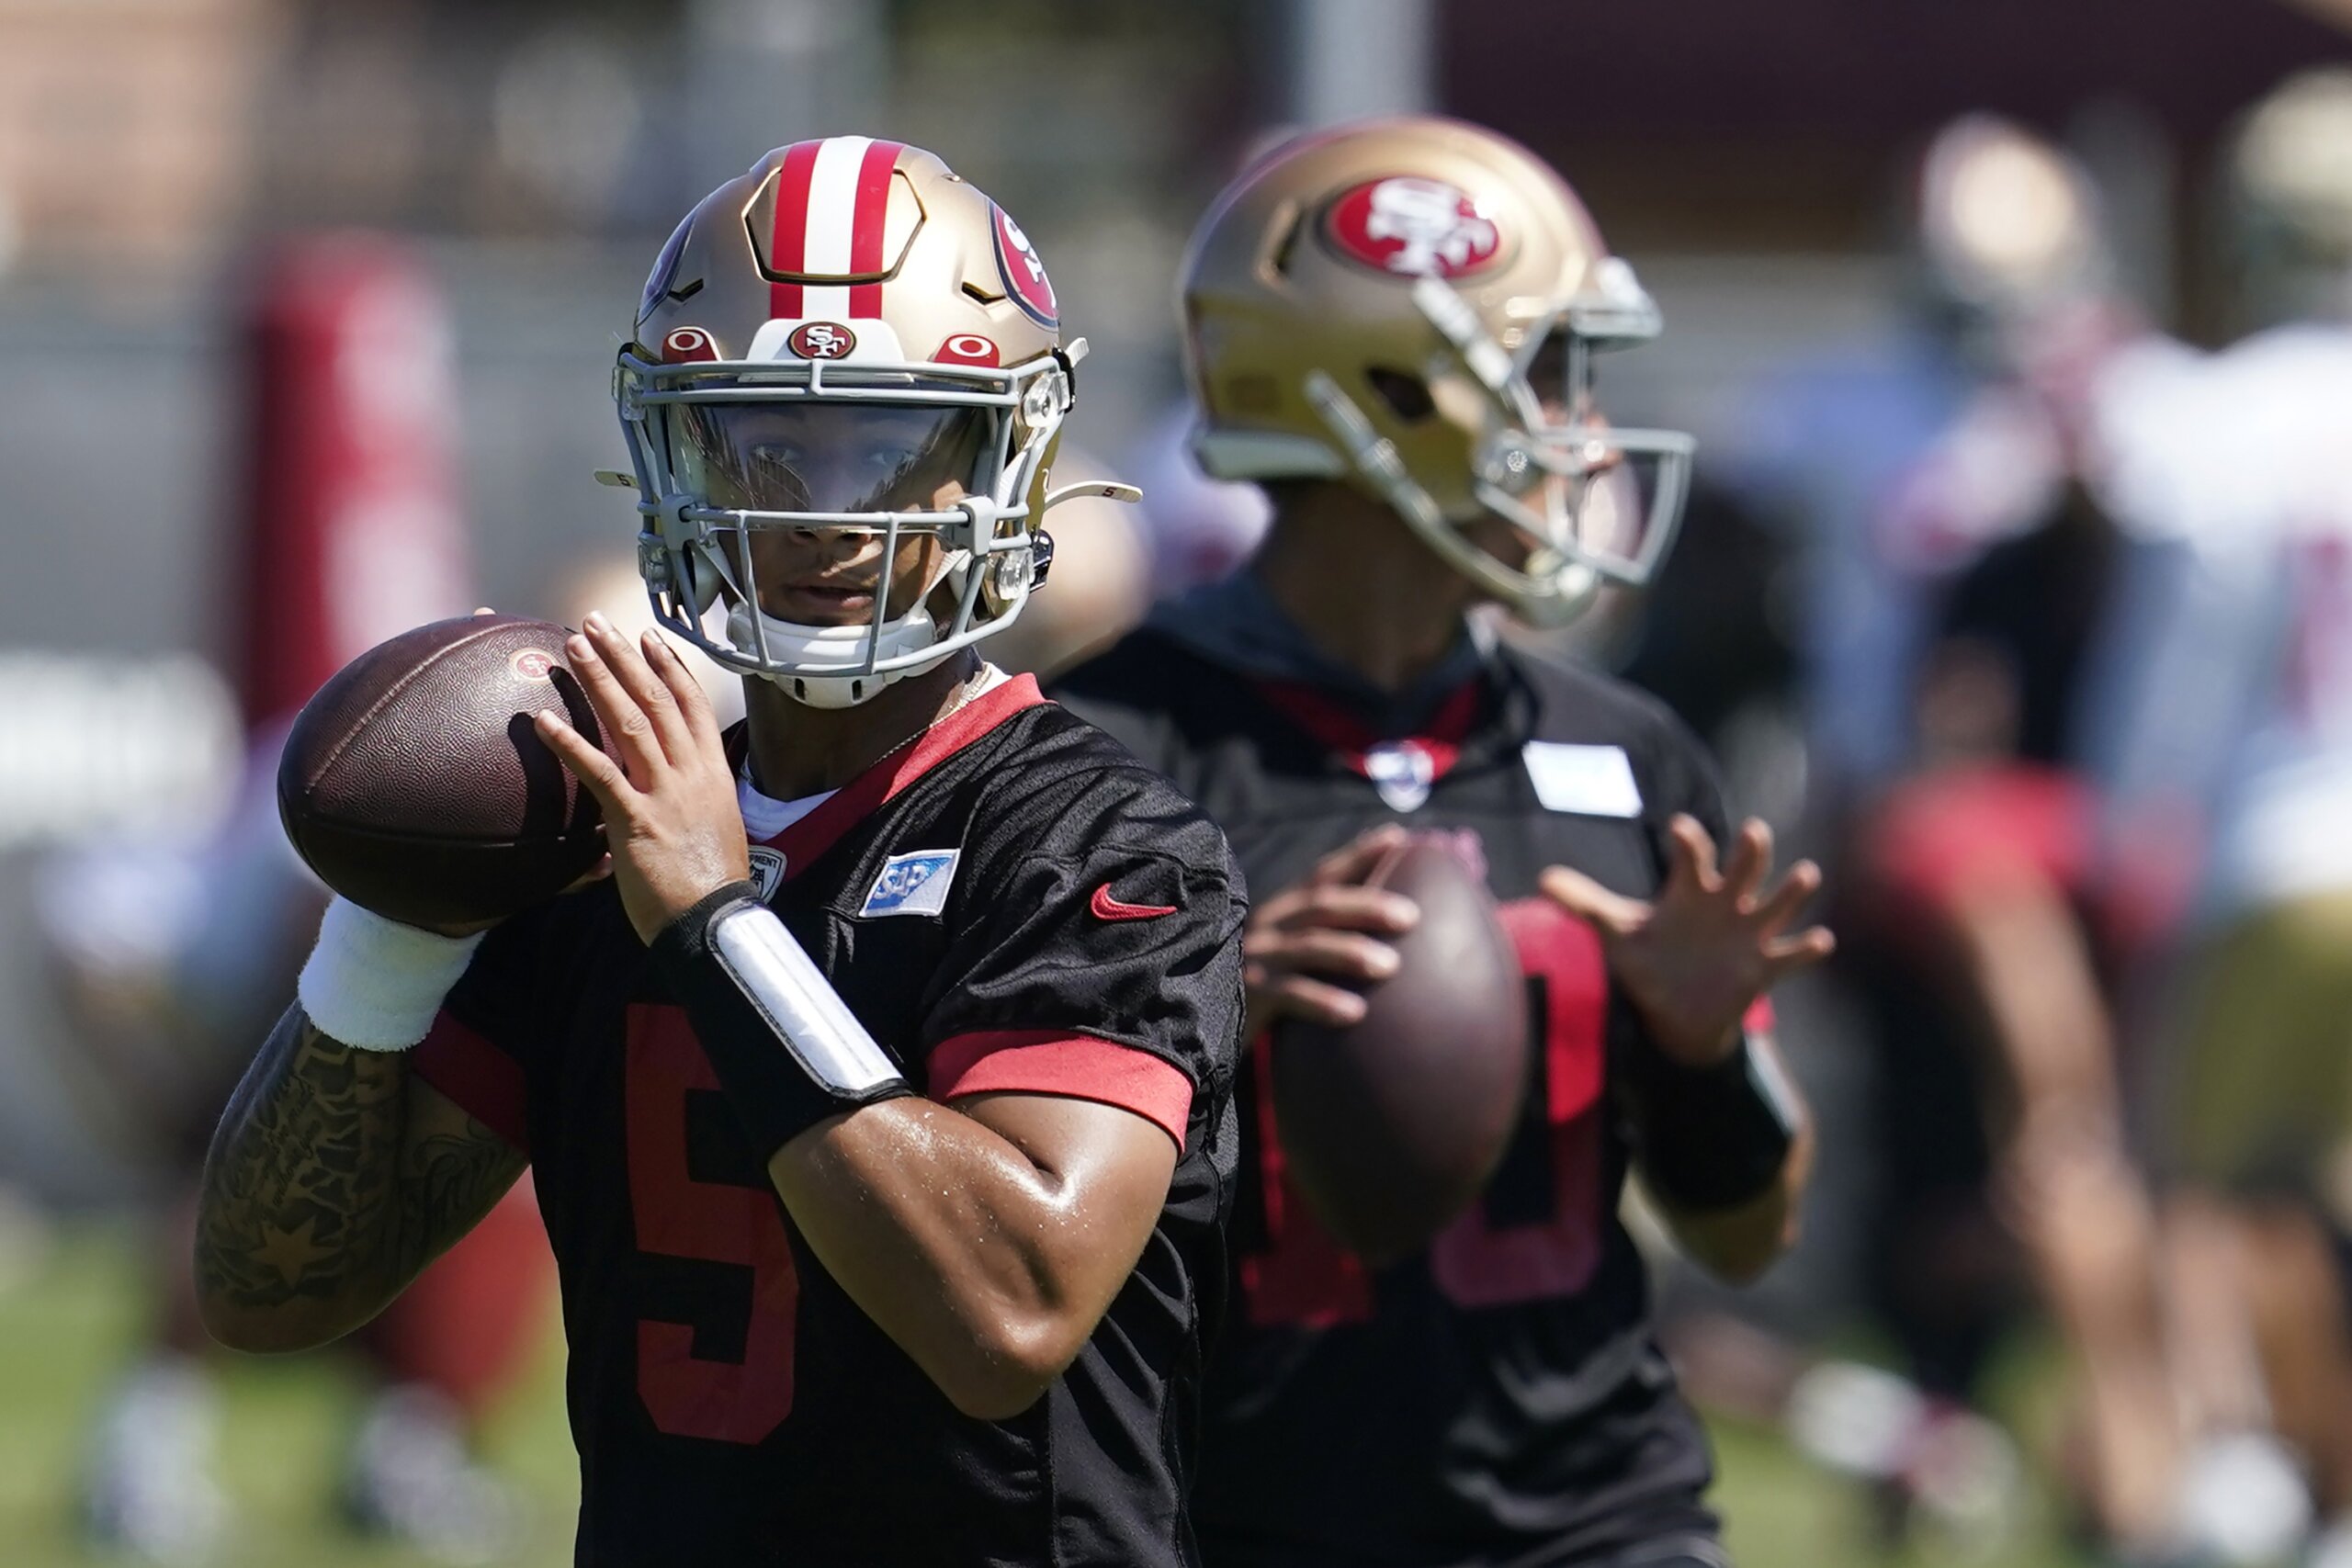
point(688, 1396)
point(1303, 1277)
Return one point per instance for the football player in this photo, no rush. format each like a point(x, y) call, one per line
point(1954, 490)
point(1391, 329)
point(880, 1101)
point(2227, 753)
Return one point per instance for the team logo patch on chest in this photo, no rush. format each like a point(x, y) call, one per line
point(913, 883)
point(1402, 770)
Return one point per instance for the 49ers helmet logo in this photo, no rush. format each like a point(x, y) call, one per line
point(1024, 273)
point(1413, 227)
point(821, 340)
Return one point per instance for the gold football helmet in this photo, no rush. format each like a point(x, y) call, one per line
point(1380, 304)
point(847, 343)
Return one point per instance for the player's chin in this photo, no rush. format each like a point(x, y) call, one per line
point(813, 606)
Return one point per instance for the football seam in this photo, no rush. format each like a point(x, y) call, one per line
point(424, 836)
point(334, 753)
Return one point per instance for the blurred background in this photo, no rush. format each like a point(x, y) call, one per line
point(307, 317)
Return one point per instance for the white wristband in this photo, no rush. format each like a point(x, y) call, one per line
point(377, 984)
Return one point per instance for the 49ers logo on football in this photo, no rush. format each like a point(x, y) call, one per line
point(1024, 273)
point(1406, 224)
point(821, 340)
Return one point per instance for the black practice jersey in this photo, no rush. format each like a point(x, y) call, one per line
point(1009, 904)
point(1497, 1399)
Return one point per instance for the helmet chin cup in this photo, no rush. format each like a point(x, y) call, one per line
point(1573, 588)
point(809, 651)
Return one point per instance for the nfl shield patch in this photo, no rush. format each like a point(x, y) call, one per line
point(914, 884)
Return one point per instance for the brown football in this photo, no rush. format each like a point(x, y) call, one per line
point(414, 785)
point(1392, 1127)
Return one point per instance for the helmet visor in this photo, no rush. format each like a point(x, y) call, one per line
point(811, 455)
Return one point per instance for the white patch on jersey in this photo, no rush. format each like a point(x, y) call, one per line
point(767, 870)
point(1591, 781)
point(913, 883)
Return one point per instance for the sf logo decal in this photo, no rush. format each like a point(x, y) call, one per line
point(1024, 271)
point(1414, 226)
point(821, 340)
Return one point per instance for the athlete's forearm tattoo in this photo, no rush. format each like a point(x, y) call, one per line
point(314, 1190)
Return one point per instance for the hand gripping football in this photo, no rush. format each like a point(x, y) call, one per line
point(413, 784)
point(1393, 1126)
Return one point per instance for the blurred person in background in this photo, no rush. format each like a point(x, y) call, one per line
point(168, 958)
point(1958, 542)
point(1111, 561)
point(1201, 529)
point(2225, 740)
point(1409, 379)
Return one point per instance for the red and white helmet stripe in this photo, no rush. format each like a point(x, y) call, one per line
point(833, 202)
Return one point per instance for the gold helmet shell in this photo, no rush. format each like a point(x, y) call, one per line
point(855, 274)
point(1366, 304)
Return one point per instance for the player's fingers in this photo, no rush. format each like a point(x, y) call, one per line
point(1783, 957)
point(602, 776)
point(1749, 859)
point(1781, 906)
point(1345, 908)
point(625, 725)
point(693, 702)
point(1353, 861)
point(1333, 955)
point(1588, 900)
point(1313, 1001)
point(1691, 854)
point(637, 677)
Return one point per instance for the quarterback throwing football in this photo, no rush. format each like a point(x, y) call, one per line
point(878, 1102)
point(1390, 328)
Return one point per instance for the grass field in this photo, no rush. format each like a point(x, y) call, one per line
point(64, 1332)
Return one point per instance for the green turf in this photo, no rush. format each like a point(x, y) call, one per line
point(65, 1334)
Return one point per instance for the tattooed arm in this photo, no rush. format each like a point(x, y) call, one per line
point(335, 1175)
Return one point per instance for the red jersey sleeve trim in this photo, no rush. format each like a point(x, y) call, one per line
point(480, 1079)
point(1046, 1061)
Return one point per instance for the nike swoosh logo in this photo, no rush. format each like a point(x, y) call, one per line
point(1106, 907)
